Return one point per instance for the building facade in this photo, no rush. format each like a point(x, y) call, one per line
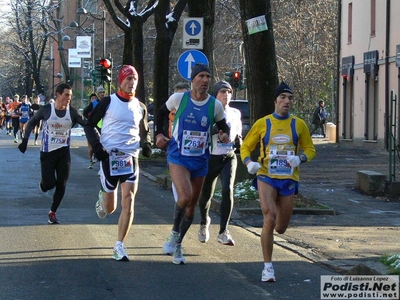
point(369, 68)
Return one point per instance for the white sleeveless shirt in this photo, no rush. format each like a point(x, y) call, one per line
point(56, 131)
point(120, 127)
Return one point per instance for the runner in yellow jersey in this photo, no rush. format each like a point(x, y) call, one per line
point(280, 136)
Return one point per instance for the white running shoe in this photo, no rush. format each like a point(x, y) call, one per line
point(225, 238)
point(204, 232)
point(119, 253)
point(268, 275)
point(170, 245)
point(178, 257)
point(99, 206)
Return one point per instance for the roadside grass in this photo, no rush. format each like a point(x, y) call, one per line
point(245, 195)
point(155, 153)
point(393, 262)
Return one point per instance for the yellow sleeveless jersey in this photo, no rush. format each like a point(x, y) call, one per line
point(278, 138)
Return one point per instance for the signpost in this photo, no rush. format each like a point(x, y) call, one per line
point(188, 59)
point(192, 37)
point(74, 60)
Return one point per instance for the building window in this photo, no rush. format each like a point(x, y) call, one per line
point(350, 23)
point(373, 17)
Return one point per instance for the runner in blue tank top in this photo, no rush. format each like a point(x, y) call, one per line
point(24, 112)
point(188, 150)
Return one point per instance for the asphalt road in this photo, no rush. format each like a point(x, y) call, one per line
point(73, 260)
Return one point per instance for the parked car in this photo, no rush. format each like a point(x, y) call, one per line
point(243, 106)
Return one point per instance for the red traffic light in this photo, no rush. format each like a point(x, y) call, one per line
point(236, 76)
point(106, 63)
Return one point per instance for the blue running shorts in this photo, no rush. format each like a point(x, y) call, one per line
point(284, 187)
point(198, 167)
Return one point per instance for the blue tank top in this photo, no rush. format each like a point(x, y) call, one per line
point(24, 109)
point(192, 128)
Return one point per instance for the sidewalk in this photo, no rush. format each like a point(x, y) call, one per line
point(364, 229)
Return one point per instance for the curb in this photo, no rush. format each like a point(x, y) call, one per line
point(345, 267)
point(296, 211)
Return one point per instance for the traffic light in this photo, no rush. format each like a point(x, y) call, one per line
point(228, 77)
point(96, 73)
point(236, 79)
point(95, 77)
point(105, 75)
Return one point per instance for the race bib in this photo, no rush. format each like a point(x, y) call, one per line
point(278, 164)
point(194, 143)
point(120, 164)
point(58, 137)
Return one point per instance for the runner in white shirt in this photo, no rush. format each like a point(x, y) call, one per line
point(222, 163)
point(55, 160)
point(124, 134)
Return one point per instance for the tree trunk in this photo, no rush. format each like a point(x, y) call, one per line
point(205, 9)
point(261, 68)
point(133, 54)
point(161, 54)
point(165, 35)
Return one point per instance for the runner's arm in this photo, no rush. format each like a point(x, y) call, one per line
point(42, 114)
point(77, 117)
point(91, 132)
point(144, 132)
point(162, 118)
point(87, 110)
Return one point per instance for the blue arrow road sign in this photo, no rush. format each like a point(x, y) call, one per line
point(192, 27)
point(188, 59)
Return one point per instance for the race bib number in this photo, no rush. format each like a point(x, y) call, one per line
point(121, 164)
point(278, 164)
point(194, 143)
point(58, 137)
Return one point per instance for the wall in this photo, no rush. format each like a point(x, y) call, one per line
point(362, 42)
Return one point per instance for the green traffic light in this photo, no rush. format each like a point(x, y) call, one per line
point(228, 77)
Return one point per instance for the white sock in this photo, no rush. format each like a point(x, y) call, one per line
point(119, 243)
point(268, 265)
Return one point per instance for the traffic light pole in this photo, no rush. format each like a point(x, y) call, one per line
point(104, 34)
point(83, 11)
point(82, 86)
point(109, 84)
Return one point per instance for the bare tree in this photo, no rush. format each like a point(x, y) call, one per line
point(11, 68)
point(33, 24)
point(29, 23)
point(53, 30)
point(305, 33)
point(132, 27)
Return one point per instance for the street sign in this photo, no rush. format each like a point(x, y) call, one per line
point(192, 37)
point(84, 46)
point(188, 59)
point(74, 60)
